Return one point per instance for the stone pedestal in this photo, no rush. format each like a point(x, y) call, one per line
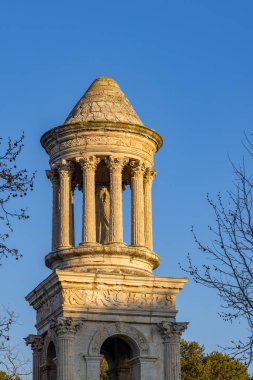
point(86, 316)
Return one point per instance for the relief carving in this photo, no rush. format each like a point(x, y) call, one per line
point(103, 140)
point(48, 307)
point(116, 298)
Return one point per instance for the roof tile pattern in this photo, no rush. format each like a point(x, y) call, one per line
point(104, 101)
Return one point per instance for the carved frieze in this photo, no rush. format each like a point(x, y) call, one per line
point(116, 298)
point(107, 140)
point(49, 306)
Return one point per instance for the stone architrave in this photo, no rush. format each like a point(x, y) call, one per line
point(36, 342)
point(115, 165)
point(65, 329)
point(137, 225)
point(89, 164)
point(171, 332)
point(148, 180)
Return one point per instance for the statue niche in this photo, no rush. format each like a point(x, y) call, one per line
point(102, 214)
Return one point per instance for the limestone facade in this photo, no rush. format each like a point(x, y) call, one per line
point(102, 299)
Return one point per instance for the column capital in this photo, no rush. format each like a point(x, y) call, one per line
point(66, 325)
point(172, 331)
point(137, 168)
point(149, 175)
point(116, 164)
point(36, 342)
point(53, 175)
point(65, 169)
point(89, 162)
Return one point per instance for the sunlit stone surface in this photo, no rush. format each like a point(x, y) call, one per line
point(102, 299)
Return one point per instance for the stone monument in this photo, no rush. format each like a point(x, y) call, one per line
point(101, 301)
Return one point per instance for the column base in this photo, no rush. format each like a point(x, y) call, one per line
point(63, 247)
point(117, 244)
point(91, 243)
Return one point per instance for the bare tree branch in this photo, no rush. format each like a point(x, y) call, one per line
point(228, 257)
point(14, 183)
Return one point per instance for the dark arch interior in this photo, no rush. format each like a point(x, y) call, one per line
point(120, 353)
point(51, 362)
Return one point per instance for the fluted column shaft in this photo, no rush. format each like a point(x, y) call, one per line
point(172, 332)
point(36, 365)
point(148, 180)
point(36, 343)
point(65, 362)
point(116, 213)
point(172, 361)
point(65, 180)
point(66, 328)
point(89, 165)
point(53, 175)
point(137, 206)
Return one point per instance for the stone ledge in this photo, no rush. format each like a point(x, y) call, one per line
point(104, 259)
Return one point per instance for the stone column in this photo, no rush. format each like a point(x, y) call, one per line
point(66, 328)
point(115, 166)
point(137, 223)
point(36, 342)
point(65, 183)
point(53, 175)
point(148, 180)
point(89, 164)
point(171, 332)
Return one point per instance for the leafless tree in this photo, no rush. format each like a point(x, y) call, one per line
point(228, 257)
point(14, 365)
point(14, 183)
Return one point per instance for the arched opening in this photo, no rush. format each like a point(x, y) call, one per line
point(121, 355)
point(51, 362)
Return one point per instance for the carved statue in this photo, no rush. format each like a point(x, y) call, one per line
point(102, 214)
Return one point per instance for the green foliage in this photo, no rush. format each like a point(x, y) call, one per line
point(192, 360)
point(215, 366)
point(103, 370)
point(4, 376)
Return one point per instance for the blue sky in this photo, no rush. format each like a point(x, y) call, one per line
point(186, 67)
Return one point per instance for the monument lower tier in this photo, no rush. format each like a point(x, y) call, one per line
point(130, 321)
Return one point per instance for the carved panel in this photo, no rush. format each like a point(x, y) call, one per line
point(106, 140)
point(48, 307)
point(116, 298)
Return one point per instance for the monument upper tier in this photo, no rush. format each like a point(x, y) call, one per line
point(102, 148)
point(103, 120)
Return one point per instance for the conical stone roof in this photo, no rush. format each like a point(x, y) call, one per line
point(104, 101)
